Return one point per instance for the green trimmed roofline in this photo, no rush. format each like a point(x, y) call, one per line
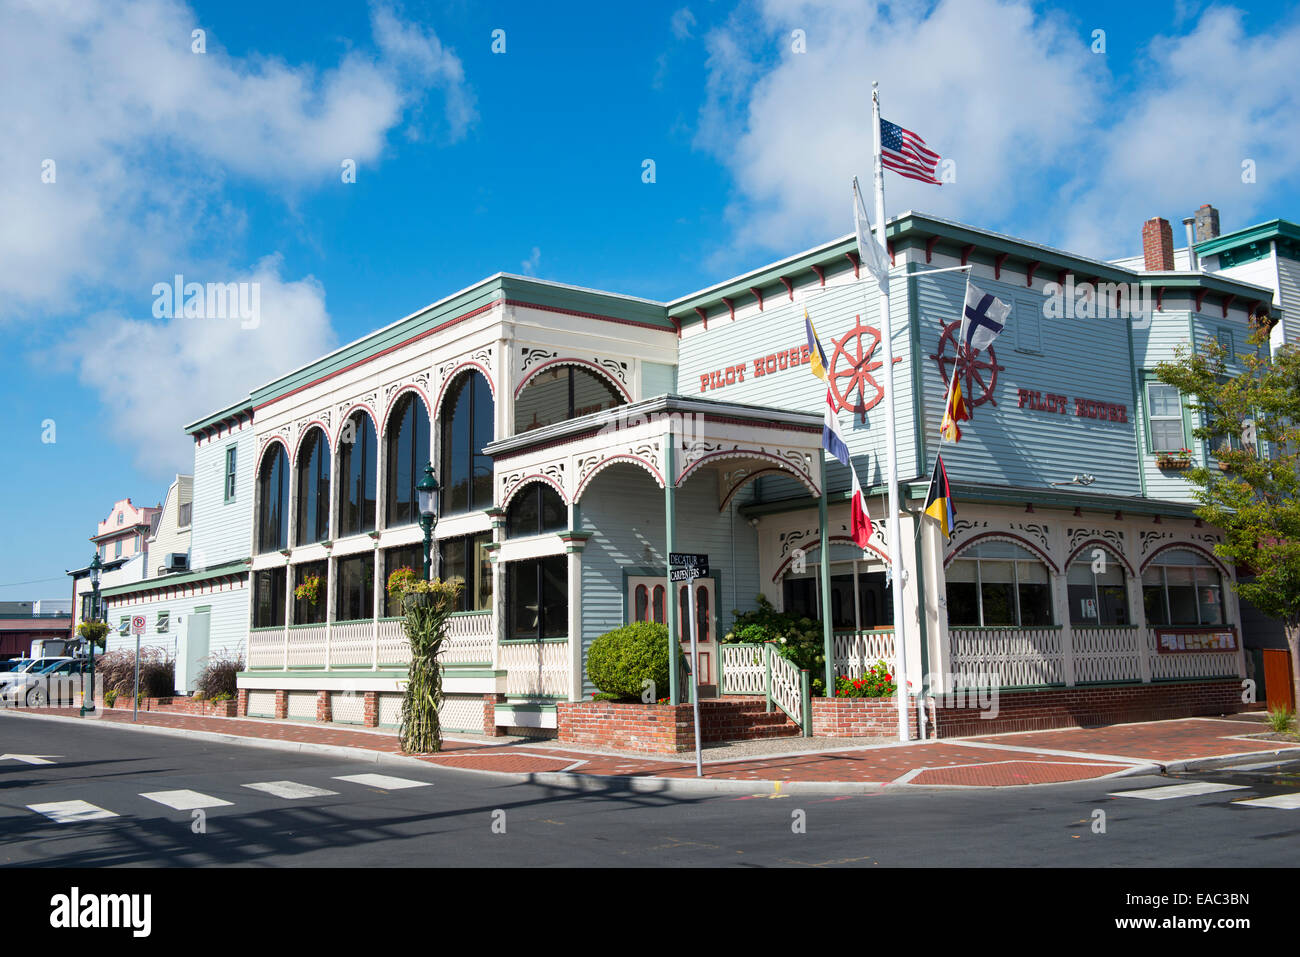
point(154, 584)
point(1262, 232)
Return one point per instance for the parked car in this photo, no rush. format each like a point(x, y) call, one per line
point(31, 666)
point(14, 664)
point(36, 688)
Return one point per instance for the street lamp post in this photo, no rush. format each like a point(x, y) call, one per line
point(96, 569)
point(427, 489)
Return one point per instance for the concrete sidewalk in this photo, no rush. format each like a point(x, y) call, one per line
point(1007, 760)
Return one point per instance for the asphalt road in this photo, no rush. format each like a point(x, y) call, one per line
point(462, 819)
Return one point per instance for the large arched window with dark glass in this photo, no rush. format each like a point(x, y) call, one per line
point(313, 489)
point(407, 445)
point(997, 583)
point(358, 458)
point(560, 393)
point(273, 499)
point(1181, 587)
point(535, 510)
point(467, 425)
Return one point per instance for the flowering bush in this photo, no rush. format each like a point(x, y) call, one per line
point(878, 682)
point(398, 582)
point(794, 637)
point(309, 590)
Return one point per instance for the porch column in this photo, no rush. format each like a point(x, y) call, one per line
point(574, 543)
point(1133, 592)
point(828, 639)
point(670, 545)
point(378, 593)
point(499, 610)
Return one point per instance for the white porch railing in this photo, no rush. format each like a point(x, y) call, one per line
point(1016, 656)
point(744, 669)
point(854, 653)
point(1107, 653)
point(367, 643)
point(788, 687)
point(536, 667)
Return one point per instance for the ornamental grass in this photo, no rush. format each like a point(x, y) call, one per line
point(425, 607)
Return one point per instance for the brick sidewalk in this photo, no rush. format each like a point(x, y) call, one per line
point(994, 761)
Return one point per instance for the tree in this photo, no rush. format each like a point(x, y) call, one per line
point(1253, 494)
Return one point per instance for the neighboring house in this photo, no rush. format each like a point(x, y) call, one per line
point(195, 602)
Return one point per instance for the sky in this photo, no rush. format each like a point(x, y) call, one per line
point(369, 159)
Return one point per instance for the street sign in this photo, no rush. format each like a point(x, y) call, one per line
point(689, 573)
point(686, 567)
point(137, 625)
point(679, 559)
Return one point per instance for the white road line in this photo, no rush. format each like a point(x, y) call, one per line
point(184, 800)
point(289, 789)
point(1178, 791)
point(1287, 802)
point(385, 781)
point(70, 812)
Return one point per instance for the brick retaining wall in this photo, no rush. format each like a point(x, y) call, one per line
point(862, 718)
point(1084, 706)
point(649, 728)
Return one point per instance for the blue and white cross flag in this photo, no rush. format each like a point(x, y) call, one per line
point(985, 317)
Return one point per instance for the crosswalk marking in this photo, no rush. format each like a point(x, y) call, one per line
point(1287, 802)
point(184, 800)
point(385, 781)
point(289, 789)
point(70, 812)
point(1178, 791)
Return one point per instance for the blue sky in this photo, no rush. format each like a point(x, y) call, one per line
point(225, 165)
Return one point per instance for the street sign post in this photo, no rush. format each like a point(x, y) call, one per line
point(137, 629)
point(686, 567)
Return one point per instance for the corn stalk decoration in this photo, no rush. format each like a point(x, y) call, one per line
point(425, 606)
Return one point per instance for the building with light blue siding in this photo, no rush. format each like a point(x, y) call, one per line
point(579, 437)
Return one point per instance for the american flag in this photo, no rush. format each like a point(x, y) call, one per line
point(906, 153)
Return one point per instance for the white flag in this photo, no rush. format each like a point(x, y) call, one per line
point(869, 251)
point(985, 316)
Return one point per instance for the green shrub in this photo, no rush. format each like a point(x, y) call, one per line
point(109, 697)
point(1279, 719)
point(221, 696)
point(794, 637)
point(620, 661)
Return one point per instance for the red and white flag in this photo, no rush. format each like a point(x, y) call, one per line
point(859, 521)
point(906, 154)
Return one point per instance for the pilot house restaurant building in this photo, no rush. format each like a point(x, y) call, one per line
point(579, 437)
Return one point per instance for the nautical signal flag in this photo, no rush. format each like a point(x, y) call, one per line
point(870, 254)
point(985, 317)
point(816, 354)
point(938, 504)
point(859, 521)
point(954, 413)
point(832, 438)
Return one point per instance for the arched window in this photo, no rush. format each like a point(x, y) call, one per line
point(313, 489)
point(358, 459)
point(999, 583)
point(536, 510)
point(1181, 587)
point(560, 393)
point(1095, 588)
point(467, 425)
point(407, 446)
point(273, 496)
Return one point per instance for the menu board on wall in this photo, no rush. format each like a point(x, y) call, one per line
point(1174, 641)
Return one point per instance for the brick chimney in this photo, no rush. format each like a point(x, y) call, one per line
point(1207, 223)
point(1158, 245)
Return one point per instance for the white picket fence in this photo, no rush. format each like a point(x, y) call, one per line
point(370, 643)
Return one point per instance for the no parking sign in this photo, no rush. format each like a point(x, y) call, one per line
point(137, 625)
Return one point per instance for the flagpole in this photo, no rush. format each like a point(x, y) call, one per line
point(891, 444)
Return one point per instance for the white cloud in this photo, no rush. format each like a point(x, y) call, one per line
point(1044, 142)
point(682, 22)
point(183, 369)
point(144, 132)
point(529, 265)
point(146, 135)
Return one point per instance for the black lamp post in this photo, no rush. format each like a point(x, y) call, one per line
point(96, 569)
point(427, 489)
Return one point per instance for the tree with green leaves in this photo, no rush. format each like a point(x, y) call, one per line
point(1249, 409)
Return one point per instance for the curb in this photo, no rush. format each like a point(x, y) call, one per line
point(1224, 761)
point(575, 781)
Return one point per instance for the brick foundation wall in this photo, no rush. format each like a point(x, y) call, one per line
point(648, 728)
point(223, 709)
point(370, 709)
point(282, 704)
point(1083, 706)
point(241, 698)
point(863, 718)
point(324, 712)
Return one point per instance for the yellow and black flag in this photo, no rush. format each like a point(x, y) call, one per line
point(938, 504)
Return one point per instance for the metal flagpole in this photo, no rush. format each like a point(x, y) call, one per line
point(891, 443)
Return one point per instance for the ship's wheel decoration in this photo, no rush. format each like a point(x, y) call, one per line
point(978, 370)
point(853, 365)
